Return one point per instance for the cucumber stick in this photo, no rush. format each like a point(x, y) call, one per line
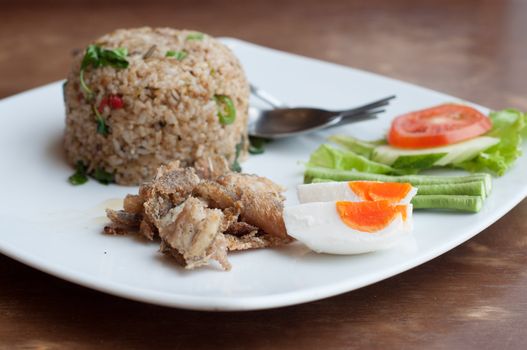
point(449, 202)
point(441, 156)
point(472, 188)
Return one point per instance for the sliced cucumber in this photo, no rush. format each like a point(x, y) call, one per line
point(418, 161)
point(416, 158)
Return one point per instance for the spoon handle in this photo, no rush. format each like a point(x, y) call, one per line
point(266, 97)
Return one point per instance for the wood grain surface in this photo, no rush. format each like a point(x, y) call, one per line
point(474, 296)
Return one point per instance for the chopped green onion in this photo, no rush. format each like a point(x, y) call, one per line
point(102, 128)
point(96, 57)
point(79, 177)
point(121, 52)
point(236, 167)
point(178, 55)
point(91, 57)
point(115, 58)
point(195, 36)
point(256, 150)
point(88, 93)
point(226, 110)
point(103, 176)
point(257, 144)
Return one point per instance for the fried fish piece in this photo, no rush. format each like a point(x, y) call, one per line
point(133, 203)
point(148, 230)
point(240, 183)
point(201, 214)
point(210, 167)
point(216, 195)
point(155, 208)
point(123, 218)
point(171, 187)
point(177, 184)
point(255, 241)
point(265, 211)
point(240, 228)
point(261, 201)
point(113, 229)
point(195, 232)
point(122, 222)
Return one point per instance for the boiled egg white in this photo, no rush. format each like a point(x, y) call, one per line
point(356, 191)
point(321, 227)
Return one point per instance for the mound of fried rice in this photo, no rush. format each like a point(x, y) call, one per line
point(166, 106)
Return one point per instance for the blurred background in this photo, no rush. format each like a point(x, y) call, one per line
point(474, 49)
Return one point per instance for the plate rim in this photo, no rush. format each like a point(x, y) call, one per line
point(246, 303)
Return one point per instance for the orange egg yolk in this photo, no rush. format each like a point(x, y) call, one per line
point(374, 191)
point(369, 216)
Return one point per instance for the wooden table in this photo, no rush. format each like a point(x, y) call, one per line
point(474, 296)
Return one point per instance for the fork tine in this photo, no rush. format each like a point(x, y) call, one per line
point(356, 117)
point(379, 103)
point(353, 113)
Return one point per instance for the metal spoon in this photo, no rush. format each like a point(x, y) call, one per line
point(284, 122)
point(267, 97)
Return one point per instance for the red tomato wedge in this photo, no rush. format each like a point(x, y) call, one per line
point(437, 126)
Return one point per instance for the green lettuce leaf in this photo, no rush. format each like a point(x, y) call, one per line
point(509, 126)
point(363, 148)
point(329, 157)
point(417, 161)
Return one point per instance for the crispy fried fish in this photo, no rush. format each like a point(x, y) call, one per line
point(261, 201)
point(201, 213)
point(195, 232)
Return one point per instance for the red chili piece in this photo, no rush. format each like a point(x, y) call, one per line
point(113, 101)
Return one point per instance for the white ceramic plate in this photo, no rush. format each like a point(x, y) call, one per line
point(55, 227)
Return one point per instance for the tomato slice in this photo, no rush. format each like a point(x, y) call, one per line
point(437, 126)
